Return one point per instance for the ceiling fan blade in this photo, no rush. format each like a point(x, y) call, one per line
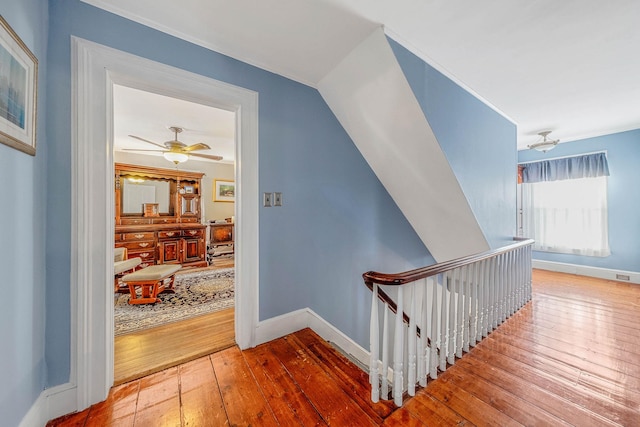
point(198, 146)
point(206, 156)
point(146, 140)
point(138, 149)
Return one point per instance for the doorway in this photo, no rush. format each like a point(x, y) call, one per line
point(189, 323)
point(92, 219)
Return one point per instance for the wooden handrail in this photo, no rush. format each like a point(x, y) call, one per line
point(371, 277)
point(457, 317)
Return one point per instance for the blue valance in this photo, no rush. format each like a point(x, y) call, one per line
point(585, 166)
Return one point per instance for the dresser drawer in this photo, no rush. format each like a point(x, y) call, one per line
point(189, 220)
point(163, 221)
point(141, 245)
point(134, 221)
point(192, 233)
point(146, 256)
point(168, 234)
point(132, 237)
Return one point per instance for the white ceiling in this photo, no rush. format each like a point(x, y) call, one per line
point(569, 66)
point(149, 116)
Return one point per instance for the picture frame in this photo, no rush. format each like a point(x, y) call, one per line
point(224, 190)
point(18, 91)
point(150, 209)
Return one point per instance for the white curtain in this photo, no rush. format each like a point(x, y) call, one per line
point(568, 216)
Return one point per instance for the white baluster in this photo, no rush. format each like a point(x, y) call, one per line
point(493, 312)
point(435, 337)
point(509, 285)
point(373, 342)
point(398, 354)
point(529, 270)
point(459, 309)
point(500, 300)
point(411, 341)
point(385, 353)
point(444, 331)
point(452, 318)
point(423, 349)
point(467, 307)
point(487, 299)
point(475, 307)
point(482, 295)
point(522, 268)
point(514, 282)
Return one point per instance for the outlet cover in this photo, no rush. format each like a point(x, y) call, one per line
point(277, 199)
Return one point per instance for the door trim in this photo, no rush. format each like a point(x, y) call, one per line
point(95, 69)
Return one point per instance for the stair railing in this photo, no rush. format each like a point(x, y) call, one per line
point(451, 306)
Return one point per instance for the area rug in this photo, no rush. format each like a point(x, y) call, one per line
point(197, 293)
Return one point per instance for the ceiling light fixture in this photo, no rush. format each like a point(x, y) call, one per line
point(175, 157)
point(546, 144)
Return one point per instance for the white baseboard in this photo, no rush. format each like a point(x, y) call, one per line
point(585, 270)
point(279, 326)
point(52, 403)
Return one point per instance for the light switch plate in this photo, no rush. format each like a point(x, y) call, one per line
point(277, 199)
point(266, 200)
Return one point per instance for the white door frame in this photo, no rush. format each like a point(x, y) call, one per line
point(95, 69)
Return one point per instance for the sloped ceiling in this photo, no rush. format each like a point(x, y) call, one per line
point(567, 66)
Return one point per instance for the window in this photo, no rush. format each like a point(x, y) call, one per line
point(568, 216)
point(564, 204)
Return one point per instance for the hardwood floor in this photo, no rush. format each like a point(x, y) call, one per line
point(142, 353)
point(569, 357)
point(151, 350)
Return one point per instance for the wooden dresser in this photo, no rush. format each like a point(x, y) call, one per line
point(221, 238)
point(158, 215)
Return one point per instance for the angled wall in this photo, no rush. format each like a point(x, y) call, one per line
point(369, 94)
point(478, 141)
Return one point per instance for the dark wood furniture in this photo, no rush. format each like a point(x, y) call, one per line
point(173, 234)
point(152, 281)
point(221, 237)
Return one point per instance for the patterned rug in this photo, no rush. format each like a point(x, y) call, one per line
point(197, 293)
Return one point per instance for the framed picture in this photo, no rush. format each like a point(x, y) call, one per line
point(18, 91)
point(224, 190)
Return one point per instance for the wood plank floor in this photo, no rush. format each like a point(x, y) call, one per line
point(569, 357)
point(139, 354)
point(145, 352)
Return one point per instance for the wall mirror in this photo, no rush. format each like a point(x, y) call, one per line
point(136, 191)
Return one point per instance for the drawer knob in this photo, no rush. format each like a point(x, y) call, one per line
point(143, 245)
point(139, 236)
point(171, 233)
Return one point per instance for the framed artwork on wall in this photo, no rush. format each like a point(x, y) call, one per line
point(224, 190)
point(18, 91)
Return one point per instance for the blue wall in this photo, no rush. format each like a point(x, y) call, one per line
point(23, 237)
point(337, 220)
point(623, 153)
point(479, 143)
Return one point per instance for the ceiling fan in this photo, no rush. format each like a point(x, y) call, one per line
point(176, 151)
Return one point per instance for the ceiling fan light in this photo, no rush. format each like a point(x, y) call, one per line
point(175, 157)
